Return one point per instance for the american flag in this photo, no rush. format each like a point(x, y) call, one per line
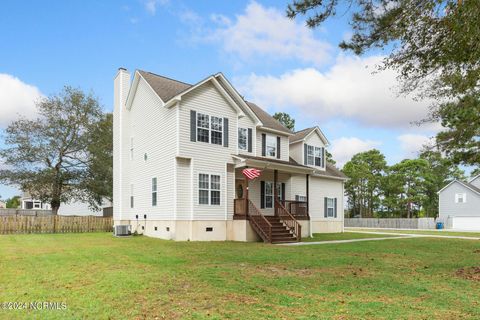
point(251, 173)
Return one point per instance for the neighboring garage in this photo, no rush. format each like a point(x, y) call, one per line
point(466, 223)
point(459, 204)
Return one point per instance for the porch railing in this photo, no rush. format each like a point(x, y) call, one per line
point(259, 223)
point(298, 209)
point(289, 220)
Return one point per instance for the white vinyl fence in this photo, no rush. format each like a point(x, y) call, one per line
point(392, 223)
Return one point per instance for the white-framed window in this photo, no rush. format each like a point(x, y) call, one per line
point(460, 197)
point(215, 190)
point(271, 146)
point(209, 129)
point(242, 138)
point(209, 189)
point(37, 205)
point(154, 192)
point(203, 127)
point(216, 130)
point(310, 155)
point(131, 148)
point(318, 156)
point(268, 194)
point(330, 207)
point(132, 199)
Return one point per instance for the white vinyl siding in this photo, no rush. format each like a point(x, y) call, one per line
point(207, 158)
point(284, 144)
point(319, 189)
point(153, 128)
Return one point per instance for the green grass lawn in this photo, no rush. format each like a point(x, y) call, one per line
point(343, 236)
point(102, 277)
point(427, 232)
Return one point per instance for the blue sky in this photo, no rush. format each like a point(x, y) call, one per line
point(278, 63)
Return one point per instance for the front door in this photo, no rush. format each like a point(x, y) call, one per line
point(240, 189)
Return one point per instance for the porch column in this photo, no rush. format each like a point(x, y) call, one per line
point(307, 192)
point(275, 179)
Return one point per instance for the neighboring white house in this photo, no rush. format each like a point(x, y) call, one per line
point(75, 208)
point(459, 204)
point(179, 152)
point(2, 205)
point(27, 202)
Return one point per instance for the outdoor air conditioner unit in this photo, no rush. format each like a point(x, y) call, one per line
point(122, 231)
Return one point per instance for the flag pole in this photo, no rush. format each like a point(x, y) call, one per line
point(246, 195)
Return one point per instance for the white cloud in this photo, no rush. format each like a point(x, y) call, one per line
point(151, 5)
point(344, 148)
point(16, 98)
point(266, 32)
point(347, 89)
point(412, 144)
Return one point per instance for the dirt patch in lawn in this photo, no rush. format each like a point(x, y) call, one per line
point(469, 273)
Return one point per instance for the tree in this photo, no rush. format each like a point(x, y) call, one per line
point(364, 172)
point(435, 50)
point(98, 179)
point(13, 202)
point(285, 119)
point(329, 157)
point(441, 171)
point(49, 157)
point(411, 174)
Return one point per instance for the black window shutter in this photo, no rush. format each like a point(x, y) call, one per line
point(278, 147)
point(264, 142)
point(249, 139)
point(304, 154)
point(297, 197)
point(325, 213)
point(225, 132)
point(262, 194)
point(193, 125)
point(283, 191)
point(335, 208)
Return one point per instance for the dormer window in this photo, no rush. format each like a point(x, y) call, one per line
point(314, 156)
point(318, 157)
point(271, 146)
point(310, 155)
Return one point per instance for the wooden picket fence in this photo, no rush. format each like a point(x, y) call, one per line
point(54, 224)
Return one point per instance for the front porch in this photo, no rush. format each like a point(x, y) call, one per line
point(275, 202)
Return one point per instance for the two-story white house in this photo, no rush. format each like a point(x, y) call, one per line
point(179, 153)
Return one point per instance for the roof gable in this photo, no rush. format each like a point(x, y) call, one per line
point(170, 91)
point(303, 135)
point(463, 184)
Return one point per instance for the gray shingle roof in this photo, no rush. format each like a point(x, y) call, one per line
point(300, 135)
point(267, 120)
point(331, 170)
point(167, 88)
point(471, 186)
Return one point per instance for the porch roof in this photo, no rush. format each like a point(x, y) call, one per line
point(265, 163)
